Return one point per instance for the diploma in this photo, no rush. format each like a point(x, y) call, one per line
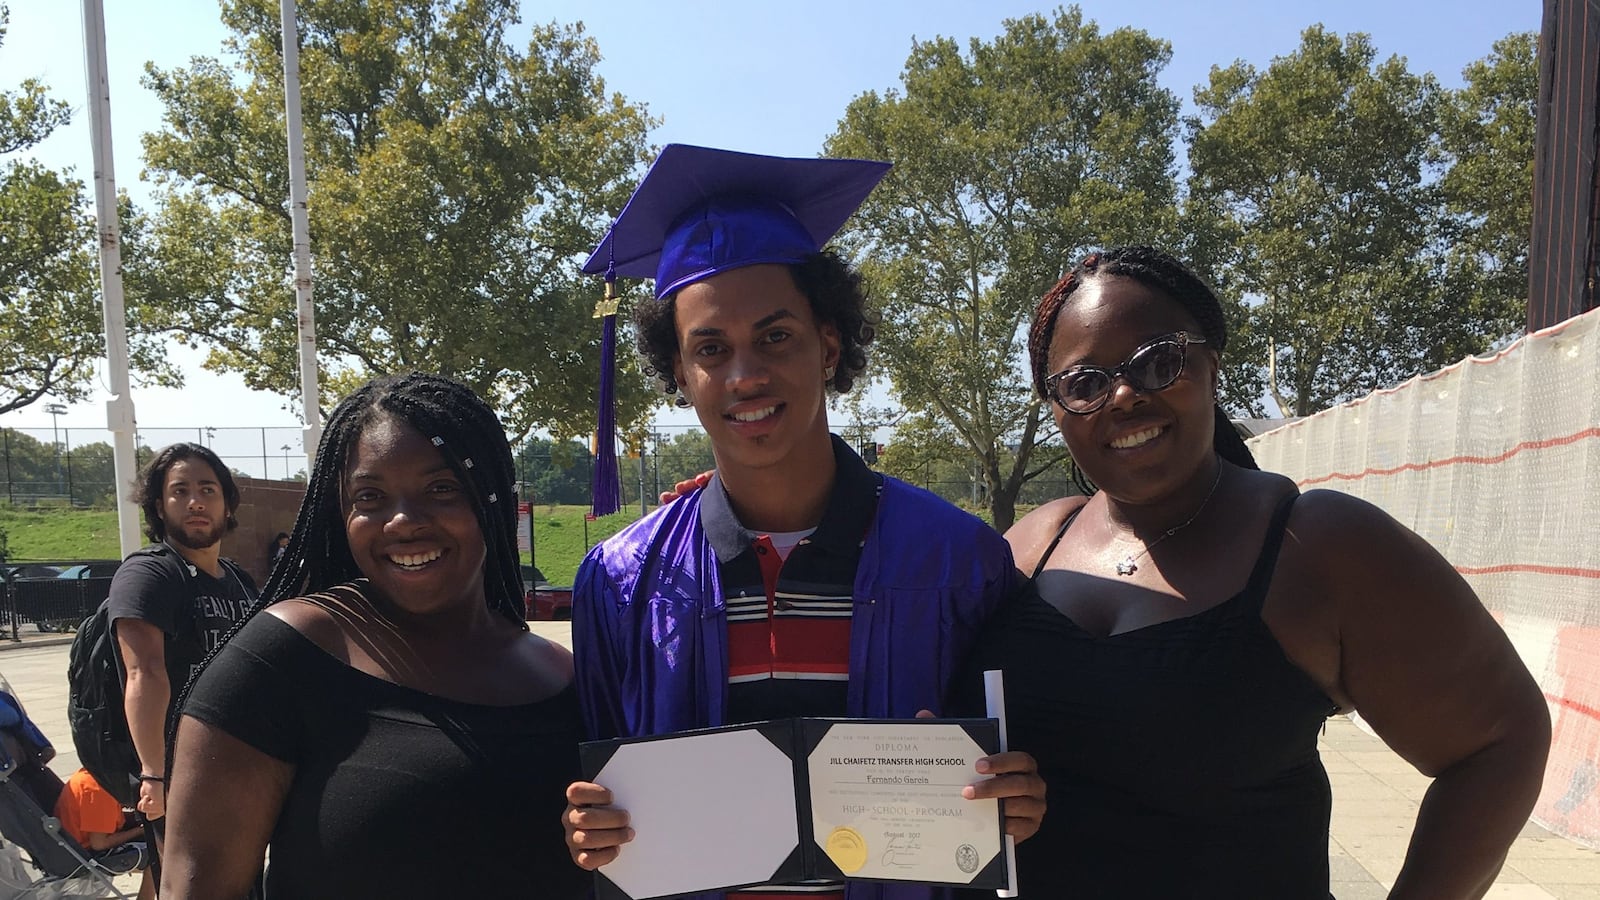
point(801, 799)
point(886, 801)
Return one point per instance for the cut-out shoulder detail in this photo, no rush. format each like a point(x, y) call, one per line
point(316, 621)
point(342, 623)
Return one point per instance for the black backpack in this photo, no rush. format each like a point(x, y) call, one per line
point(95, 699)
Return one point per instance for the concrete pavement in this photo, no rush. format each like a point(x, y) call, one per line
point(1375, 795)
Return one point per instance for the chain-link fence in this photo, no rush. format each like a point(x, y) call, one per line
point(74, 466)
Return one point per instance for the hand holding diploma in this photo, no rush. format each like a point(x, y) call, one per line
point(1014, 780)
point(595, 833)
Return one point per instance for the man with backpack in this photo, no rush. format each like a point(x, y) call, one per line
point(172, 603)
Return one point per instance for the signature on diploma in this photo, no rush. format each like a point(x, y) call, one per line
point(903, 852)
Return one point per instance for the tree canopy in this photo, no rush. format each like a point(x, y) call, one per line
point(1320, 170)
point(455, 182)
point(1012, 160)
point(1486, 138)
point(49, 321)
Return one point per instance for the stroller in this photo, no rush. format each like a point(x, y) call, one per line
point(28, 793)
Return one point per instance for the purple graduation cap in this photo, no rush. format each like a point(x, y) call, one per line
point(700, 212)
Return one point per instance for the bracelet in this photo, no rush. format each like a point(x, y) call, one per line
point(158, 779)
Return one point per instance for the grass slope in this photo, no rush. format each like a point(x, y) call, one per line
point(61, 534)
point(559, 542)
point(42, 534)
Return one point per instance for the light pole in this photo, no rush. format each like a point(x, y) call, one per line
point(285, 462)
point(56, 409)
point(655, 462)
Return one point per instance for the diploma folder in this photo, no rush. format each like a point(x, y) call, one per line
point(798, 800)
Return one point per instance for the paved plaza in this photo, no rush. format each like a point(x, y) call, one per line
point(1375, 793)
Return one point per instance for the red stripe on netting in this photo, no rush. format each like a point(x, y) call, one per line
point(1579, 708)
point(1532, 568)
point(1458, 460)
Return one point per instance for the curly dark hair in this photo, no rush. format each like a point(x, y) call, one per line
point(838, 298)
point(1163, 273)
point(152, 486)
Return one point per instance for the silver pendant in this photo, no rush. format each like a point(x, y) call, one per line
point(1126, 567)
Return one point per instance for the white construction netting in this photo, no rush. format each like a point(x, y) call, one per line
point(1496, 461)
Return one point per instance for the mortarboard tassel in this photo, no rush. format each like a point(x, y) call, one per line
point(607, 488)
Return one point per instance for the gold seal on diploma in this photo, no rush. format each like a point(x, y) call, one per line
point(847, 848)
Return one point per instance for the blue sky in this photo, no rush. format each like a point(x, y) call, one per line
point(755, 76)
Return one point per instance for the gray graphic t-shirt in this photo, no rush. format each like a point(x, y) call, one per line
point(194, 610)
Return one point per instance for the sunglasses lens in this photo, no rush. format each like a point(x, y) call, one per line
point(1156, 366)
point(1152, 367)
point(1082, 390)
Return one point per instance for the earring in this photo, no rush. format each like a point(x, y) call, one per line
point(827, 374)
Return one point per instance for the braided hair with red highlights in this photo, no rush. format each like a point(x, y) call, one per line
point(1161, 272)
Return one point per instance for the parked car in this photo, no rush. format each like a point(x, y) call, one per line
point(101, 569)
point(544, 601)
point(29, 570)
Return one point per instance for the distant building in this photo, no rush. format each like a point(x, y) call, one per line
point(1249, 428)
point(1564, 251)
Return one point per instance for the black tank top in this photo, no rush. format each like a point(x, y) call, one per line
point(1181, 758)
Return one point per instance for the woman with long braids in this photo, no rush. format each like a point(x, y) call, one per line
point(1192, 622)
point(388, 727)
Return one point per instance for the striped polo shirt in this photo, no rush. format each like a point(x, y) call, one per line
point(789, 619)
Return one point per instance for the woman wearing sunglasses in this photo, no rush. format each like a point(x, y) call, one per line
point(1192, 621)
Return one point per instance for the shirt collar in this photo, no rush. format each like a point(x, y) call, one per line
point(851, 505)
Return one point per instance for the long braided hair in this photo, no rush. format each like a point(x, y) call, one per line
point(1161, 272)
point(472, 441)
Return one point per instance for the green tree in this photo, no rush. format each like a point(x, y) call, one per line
point(92, 474)
point(683, 456)
point(49, 320)
point(1317, 170)
point(927, 452)
point(1486, 137)
point(455, 183)
point(86, 473)
point(558, 472)
point(30, 464)
point(1012, 159)
point(51, 328)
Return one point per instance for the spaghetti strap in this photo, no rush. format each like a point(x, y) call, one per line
point(1060, 532)
point(1256, 588)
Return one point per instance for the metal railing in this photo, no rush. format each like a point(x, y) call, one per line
point(49, 604)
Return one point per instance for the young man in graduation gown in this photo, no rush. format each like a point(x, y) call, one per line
point(797, 582)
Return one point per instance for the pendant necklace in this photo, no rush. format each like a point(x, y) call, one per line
point(1128, 565)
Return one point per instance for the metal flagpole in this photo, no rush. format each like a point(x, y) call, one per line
point(305, 312)
point(119, 409)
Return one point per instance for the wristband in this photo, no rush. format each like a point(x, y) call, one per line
point(158, 779)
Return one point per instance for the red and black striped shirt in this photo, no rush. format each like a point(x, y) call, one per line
point(789, 619)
